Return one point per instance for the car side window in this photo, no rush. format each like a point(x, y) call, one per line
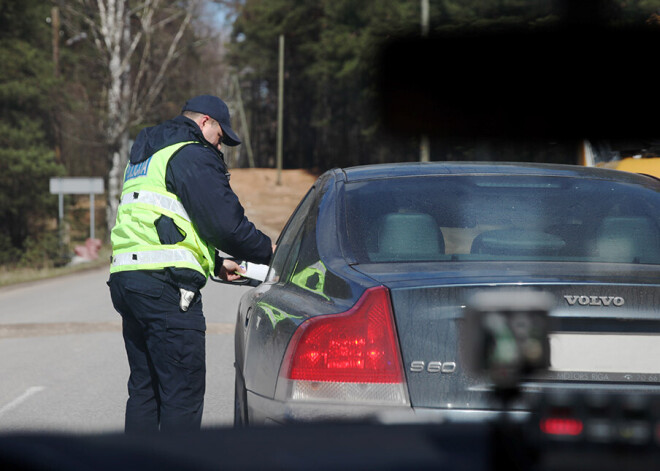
point(289, 240)
point(304, 267)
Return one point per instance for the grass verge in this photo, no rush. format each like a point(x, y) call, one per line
point(15, 276)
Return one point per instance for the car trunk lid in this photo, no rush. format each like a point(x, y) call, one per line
point(604, 335)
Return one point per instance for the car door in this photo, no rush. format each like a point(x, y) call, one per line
point(265, 326)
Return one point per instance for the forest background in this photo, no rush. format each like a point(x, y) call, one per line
point(80, 78)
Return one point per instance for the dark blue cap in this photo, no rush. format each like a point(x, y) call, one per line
point(216, 109)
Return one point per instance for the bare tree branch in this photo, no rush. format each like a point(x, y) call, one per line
point(73, 11)
point(139, 106)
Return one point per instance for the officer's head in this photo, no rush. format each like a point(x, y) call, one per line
point(212, 116)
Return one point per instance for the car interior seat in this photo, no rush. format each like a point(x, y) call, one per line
point(408, 236)
point(628, 240)
point(580, 238)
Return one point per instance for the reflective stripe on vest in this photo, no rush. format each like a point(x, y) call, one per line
point(148, 257)
point(158, 200)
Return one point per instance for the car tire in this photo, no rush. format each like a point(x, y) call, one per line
point(240, 401)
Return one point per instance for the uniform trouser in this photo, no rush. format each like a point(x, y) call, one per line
point(166, 354)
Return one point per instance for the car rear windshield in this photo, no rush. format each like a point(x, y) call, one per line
point(462, 218)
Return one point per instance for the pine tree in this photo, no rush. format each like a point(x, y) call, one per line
point(27, 158)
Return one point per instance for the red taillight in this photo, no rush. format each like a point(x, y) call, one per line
point(357, 346)
point(561, 426)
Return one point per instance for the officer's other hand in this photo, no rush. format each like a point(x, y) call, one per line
point(229, 269)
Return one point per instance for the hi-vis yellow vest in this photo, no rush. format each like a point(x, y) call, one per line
point(144, 198)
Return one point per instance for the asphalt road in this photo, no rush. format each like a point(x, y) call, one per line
point(62, 361)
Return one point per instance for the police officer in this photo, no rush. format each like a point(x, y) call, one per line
point(176, 208)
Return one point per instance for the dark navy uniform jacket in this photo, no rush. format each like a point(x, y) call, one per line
point(198, 175)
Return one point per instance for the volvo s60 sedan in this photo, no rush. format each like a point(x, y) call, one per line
point(364, 303)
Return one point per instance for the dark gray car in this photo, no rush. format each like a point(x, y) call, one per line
point(362, 309)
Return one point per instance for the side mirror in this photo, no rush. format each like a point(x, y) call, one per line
point(254, 274)
point(240, 282)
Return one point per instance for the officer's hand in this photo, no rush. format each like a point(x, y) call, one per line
point(229, 269)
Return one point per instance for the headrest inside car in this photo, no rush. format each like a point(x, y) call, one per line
point(628, 240)
point(409, 236)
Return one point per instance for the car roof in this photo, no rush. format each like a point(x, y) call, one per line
point(405, 169)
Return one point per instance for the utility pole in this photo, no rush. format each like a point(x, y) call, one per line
point(425, 17)
point(246, 132)
point(55, 24)
point(424, 146)
point(280, 110)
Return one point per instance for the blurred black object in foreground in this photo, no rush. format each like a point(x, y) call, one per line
point(301, 447)
point(506, 337)
point(569, 82)
point(631, 442)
